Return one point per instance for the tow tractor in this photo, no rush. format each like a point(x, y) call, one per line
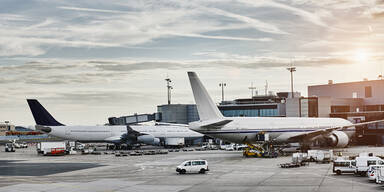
point(9, 147)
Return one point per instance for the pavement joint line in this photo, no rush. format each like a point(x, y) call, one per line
point(347, 181)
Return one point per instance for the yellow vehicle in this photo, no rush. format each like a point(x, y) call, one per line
point(257, 151)
point(253, 151)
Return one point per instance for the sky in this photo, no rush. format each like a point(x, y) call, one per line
point(89, 60)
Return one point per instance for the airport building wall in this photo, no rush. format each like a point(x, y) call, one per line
point(308, 107)
point(178, 113)
point(5, 127)
point(372, 92)
point(358, 102)
point(257, 106)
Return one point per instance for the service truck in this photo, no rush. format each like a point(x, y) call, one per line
point(9, 147)
point(174, 142)
point(372, 172)
point(320, 156)
point(380, 175)
point(344, 166)
point(363, 163)
point(51, 148)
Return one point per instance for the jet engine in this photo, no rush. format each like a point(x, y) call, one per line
point(148, 139)
point(338, 139)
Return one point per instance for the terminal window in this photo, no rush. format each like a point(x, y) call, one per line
point(368, 91)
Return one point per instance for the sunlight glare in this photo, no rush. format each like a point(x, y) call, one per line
point(361, 56)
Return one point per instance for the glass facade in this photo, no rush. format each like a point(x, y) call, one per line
point(250, 112)
point(192, 114)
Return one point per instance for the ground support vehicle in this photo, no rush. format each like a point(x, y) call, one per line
point(51, 148)
point(257, 150)
point(363, 163)
point(9, 147)
point(341, 166)
point(193, 166)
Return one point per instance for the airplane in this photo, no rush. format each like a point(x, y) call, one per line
point(280, 130)
point(129, 134)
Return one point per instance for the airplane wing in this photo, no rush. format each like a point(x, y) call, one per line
point(131, 134)
point(312, 134)
point(216, 124)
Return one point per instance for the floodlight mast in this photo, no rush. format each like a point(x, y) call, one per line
point(291, 69)
point(169, 88)
point(222, 85)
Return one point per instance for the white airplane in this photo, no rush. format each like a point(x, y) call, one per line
point(133, 134)
point(335, 131)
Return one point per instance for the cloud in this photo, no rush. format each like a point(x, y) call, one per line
point(93, 10)
point(251, 22)
point(109, 28)
point(95, 97)
point(313, 18)
point(12, 17)
point(149, 65)
point(221, 37)
point(94, 72)
point(378, 14)
point(267, 62)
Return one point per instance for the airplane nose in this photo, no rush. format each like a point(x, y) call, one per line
point(43, 129)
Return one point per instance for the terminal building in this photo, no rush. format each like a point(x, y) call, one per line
point(257, 106)
point(358, 102)
point(6, 127)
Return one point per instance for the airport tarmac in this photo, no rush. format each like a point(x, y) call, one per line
point(24, 170)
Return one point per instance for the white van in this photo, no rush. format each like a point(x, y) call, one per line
point(344, 166)
point(193, 166)
point(372, 172)
point(363, 163)
point(379, 175)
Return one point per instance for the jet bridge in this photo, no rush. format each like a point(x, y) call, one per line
point(134, 119)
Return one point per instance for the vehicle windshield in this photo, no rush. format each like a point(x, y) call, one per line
point(341, 164)
point(371, 162)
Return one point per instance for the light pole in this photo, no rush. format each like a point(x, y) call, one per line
point(291, 69)
point(169, 87)
point(222, 85)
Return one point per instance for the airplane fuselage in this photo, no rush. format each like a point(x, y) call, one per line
point(102, 133)
point(279, 129)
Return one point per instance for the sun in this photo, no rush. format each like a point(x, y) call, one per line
point(361, 56)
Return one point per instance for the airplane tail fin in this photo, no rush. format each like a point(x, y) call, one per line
point(206, 108)
point(41, 115)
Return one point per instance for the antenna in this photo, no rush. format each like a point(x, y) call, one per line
point(266, 87)
point(252, 88)
point(169, 87)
